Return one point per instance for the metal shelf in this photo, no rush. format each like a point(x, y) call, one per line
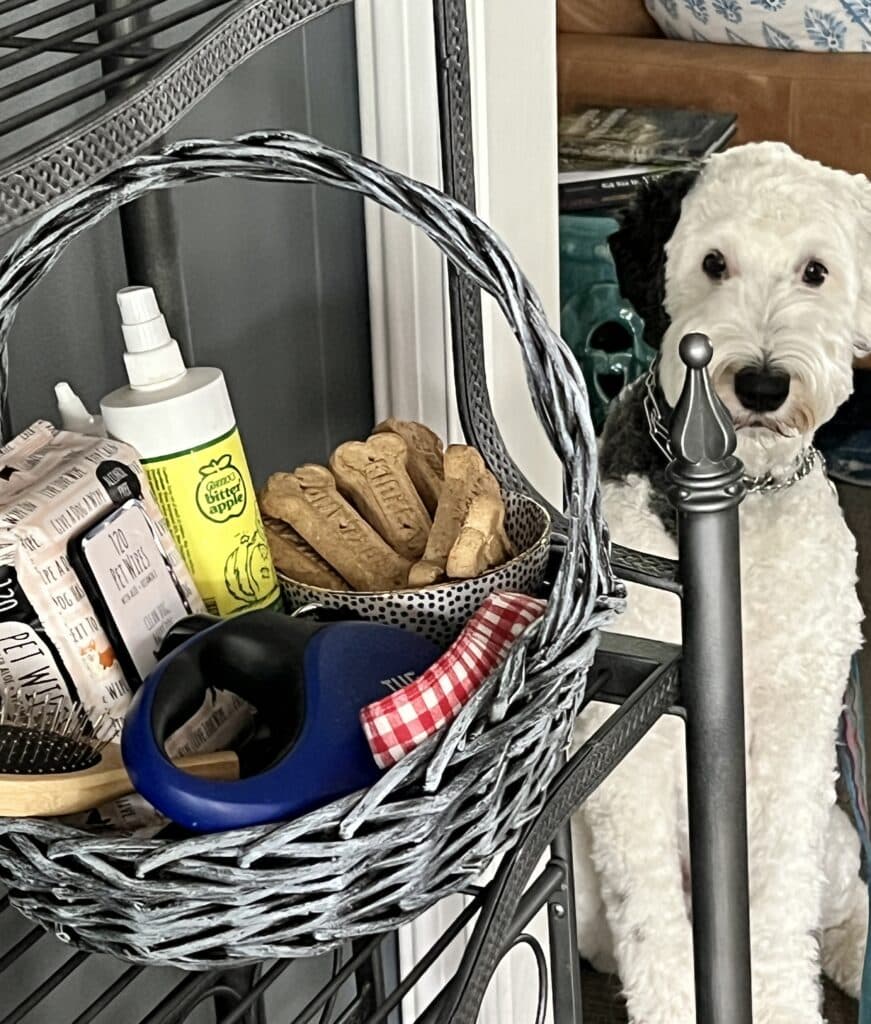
point(87, 84)
point(106, 47)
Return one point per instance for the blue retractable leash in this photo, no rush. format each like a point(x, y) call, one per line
point(307, 680)
point(851, 758)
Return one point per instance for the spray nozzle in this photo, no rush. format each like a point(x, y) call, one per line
point(138, 304)
point(153, 357)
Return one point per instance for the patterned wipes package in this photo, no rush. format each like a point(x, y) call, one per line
point(53, 485)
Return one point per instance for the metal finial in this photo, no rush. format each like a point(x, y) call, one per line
point(696, 350)
point(702, 434)
point(704, 474)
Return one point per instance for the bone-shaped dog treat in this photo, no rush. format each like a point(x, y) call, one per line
point(373, 475)
point(308, 500)
point(466, 477)
point(424, 574)
point(482, 542)
point(425, 462)
point(297, 559)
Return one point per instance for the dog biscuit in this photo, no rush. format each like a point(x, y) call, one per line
point(425, 462)
point(482, 542)
point(373, 476)
point(466, 477)
point(298, 560)
point(309, 501)
point(424, 574)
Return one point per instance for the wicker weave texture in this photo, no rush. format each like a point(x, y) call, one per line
point(432, 823)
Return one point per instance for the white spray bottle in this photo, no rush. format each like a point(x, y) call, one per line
point(182, 424)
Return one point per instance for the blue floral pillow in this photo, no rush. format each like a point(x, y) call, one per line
point(836, 26)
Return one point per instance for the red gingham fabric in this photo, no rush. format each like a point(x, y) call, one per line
point(397, 723)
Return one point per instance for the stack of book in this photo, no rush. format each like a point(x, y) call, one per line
point(606, 154)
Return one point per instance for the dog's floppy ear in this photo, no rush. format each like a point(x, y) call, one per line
point(638, 248)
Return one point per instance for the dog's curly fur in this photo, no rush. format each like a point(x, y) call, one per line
point(769, 212)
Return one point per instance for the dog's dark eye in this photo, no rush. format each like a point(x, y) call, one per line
point(814, 273)
point(714, 265)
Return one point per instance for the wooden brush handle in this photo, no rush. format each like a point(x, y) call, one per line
point(45, 796)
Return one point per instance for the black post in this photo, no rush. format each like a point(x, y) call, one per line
point(565, 964)
point(149, 233)
point(706, 487)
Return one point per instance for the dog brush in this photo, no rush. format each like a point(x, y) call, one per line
point(54, 761)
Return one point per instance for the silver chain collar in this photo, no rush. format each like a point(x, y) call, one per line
point(767, 483)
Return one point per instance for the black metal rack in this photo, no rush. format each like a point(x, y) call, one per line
point(128, 52)
point(62, 54)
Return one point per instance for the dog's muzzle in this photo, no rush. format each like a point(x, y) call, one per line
point(760, 389)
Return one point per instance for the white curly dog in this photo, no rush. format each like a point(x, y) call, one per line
point(771, 257)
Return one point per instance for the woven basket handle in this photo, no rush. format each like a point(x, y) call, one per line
point(476, 409)
point(556, 384)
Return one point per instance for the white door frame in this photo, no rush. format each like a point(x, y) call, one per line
point(512, 49)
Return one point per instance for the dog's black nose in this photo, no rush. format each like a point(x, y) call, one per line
point(760, 389)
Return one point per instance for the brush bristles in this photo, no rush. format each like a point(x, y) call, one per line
point(49, 737)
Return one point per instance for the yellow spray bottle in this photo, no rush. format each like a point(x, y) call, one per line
point(182, 424)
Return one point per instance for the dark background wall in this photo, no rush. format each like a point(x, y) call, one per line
point(275, 273)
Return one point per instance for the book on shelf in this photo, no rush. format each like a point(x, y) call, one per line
point(609, 186)
point(642, 135)
point(607, 154)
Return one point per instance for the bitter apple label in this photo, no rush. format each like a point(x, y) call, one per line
point(208, 500)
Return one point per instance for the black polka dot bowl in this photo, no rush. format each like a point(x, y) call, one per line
point(440, 612)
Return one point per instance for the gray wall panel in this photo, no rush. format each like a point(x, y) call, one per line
point(275, 273)
point(342, 309)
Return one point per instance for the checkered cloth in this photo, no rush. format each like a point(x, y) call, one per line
point(397, 723)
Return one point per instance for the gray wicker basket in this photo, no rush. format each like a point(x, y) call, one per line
point(431, 824)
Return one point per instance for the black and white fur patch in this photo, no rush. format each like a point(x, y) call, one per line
point(627, 449)
point(638, 248)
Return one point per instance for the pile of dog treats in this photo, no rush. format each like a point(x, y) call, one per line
point(394, 511)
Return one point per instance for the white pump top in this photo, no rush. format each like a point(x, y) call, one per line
point(153, 358)
point(73, 414)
